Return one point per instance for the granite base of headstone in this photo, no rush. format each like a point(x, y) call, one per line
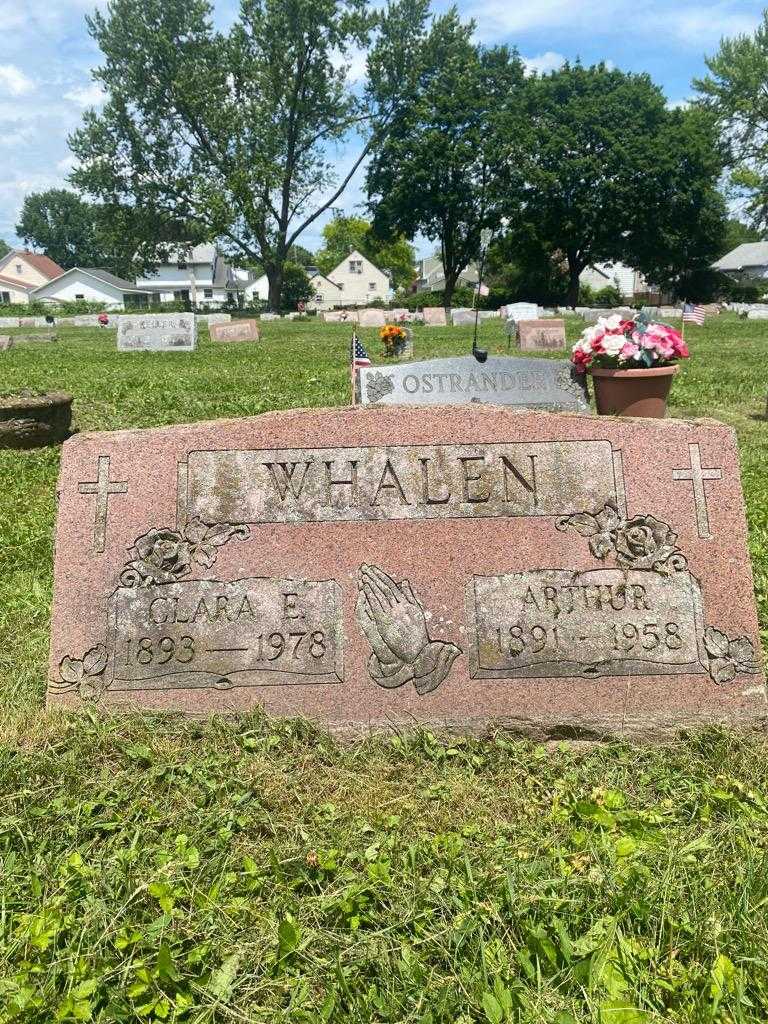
point(468, 568)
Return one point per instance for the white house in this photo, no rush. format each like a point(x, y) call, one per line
point(22, 272)
point(615, 275)
point(354, 282)
point(198, 275)
point(747, 262)
point(430, 276)
point(91, 284)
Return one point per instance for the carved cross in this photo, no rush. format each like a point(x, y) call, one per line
point(697, 475)
point(102, 487)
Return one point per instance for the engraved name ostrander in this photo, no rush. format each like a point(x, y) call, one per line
point(547, 478)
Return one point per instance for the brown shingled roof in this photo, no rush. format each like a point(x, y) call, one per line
point(44, 264)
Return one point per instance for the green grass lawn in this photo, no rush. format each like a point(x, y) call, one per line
point(154, 869)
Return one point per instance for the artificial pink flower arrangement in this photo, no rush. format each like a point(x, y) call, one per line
point(616, 344)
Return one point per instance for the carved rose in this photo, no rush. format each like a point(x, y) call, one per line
point(728, 657)
point(161, 556)
point(643, 542)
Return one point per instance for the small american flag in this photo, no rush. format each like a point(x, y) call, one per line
point(359, 355)
point(693, 314)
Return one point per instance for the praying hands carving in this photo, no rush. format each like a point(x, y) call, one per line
point(392, 618)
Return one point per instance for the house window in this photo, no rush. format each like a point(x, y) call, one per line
point(19, 269)
point(230, 296)
point(355, 266)
point(181, 265)
point(371, 286)
point(5, 298)
point(207, 293)
point(79, 296)
point(341, 286)
point(181, 296)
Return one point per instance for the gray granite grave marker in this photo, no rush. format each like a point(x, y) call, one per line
point(157, 332)
point(528, 383)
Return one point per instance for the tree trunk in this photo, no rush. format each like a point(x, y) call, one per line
point(450, 288)
point(573, 282)
point(275, 278)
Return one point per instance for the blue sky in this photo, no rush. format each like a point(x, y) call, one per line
point(46, 57)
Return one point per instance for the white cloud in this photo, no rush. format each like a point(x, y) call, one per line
point(696, 26)
point(355, 61)
point(86, 95)
point(678, 104)
point(544, 63)
point(66, 164)
point(14, 81)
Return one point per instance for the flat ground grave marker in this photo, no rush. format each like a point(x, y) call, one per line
point(237, 330)
point(541, 334)
point(528, 383)
point(434, 316)
point(378, 568)
point(157, 332)
point(6, 342)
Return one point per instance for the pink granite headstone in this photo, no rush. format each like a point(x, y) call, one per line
point(377, 568)
point(434, 316)
point(236, 330)
point(541, 334)
point(371, 318)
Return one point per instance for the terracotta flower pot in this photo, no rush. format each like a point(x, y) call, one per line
point(641, 392)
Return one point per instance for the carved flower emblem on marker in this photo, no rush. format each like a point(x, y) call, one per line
point(86, 674)
point(378, 385)
point(728, 657)
point(642, 542)
point(164, 555)
point(161, 556)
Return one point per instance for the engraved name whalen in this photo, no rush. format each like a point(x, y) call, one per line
point(555, 478)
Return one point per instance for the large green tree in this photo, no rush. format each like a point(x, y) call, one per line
point(736, 91)
point(598, 185)
point(68, 229)
point(343, 234)
point(226, 135)
point(686, 212)
point(447, 166)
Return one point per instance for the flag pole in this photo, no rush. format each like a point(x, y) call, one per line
point(682, 324)
point(352, 367)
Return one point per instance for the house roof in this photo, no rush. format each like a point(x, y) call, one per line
point(21, 285)
point(325, 278)
point(749, 254)
point(100, 275)
point(43, 264)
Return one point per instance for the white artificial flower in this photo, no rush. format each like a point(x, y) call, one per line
point(613, 344)
point(610, 323)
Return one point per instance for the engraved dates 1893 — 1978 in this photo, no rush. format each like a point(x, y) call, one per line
point(553, 622)
point(202, 633)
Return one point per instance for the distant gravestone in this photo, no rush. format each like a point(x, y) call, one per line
point(9, 321)
point(6, 342)
point(757, 314)
point(341, 316)
point(48, 336)
point(267, 317)
point(216, 318)
point(434, 316)
point(528, 383)
point(157, 332)
point(371, 318)
point(541, 334)
point(522, 311)
point(465, 567)
point(86, 320)
point(463, 317)
point(237, 330)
